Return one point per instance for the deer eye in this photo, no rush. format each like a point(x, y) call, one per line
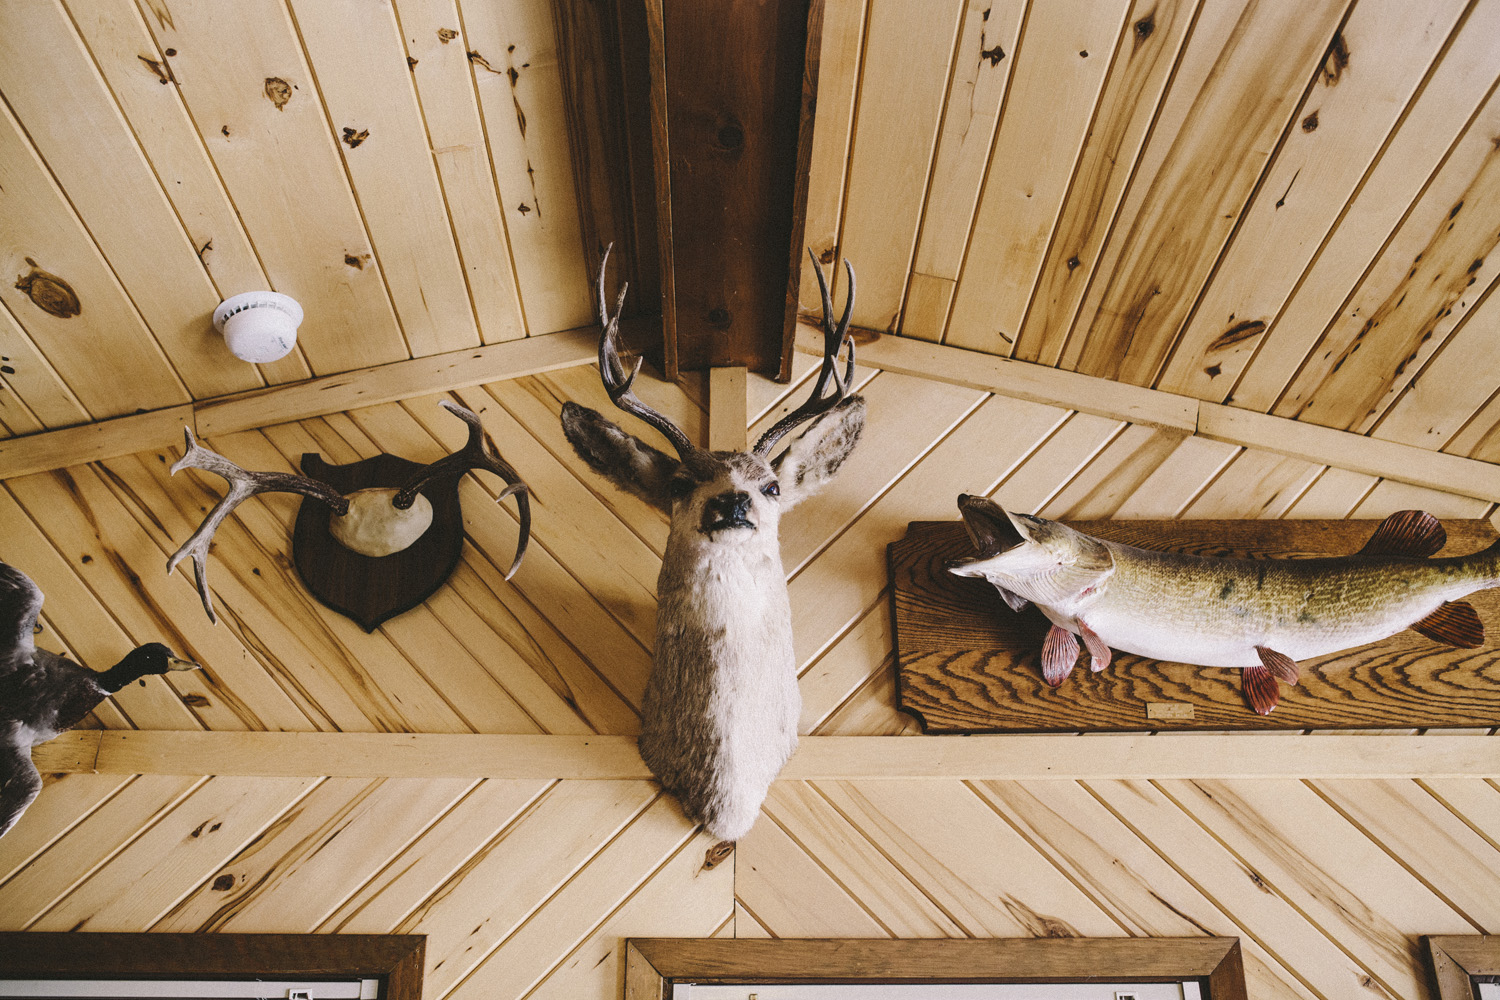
point(771, 489)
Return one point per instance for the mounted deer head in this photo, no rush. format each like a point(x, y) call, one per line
point(375, 522)
point(722, 704)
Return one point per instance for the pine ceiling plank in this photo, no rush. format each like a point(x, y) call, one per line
point(681, 899)
point(1335, 494)
point(1476, 802)
point(1258, 484)
point(846, 578)
point(433, 858)
point(1120, 871)
point(1459, 89)
point(1053, 464)
point(846, 666)
point(81, 620)
point(928, 829)
point(1185, 474)
point(242, 75)
point(1115, 472)
point(74, 858)
point(976, 93)
point(1341, 881)
point(30, 383)
point(359, 63)
point(1453, 387)
point(66, 801)
point(141, 81)
point(1200, 187)
point(344, 831)
point(527, 127)
point(890, 157)
point(1345, 122)
point(455, 132)
point(838, 80)
point(608, 881)
point(41, 227)
point(1435, 845)
point(871, 710)
point(123, 565)
point(1126, 110)
point(468, 916)
point(1418, 289)
point(145, 880)
point(892, 896)
point(555, 666)
point(789, 893)
point(728, 418)
point(111, 186)
point(762, 393)
point(1480, 439)
point(1061, 62)
point(1257, 903)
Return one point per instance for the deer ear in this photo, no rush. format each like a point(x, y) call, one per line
point(628, 462)
point(813, 459)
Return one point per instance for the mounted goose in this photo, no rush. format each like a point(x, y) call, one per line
point(43, 693)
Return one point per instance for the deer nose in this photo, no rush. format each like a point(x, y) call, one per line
point(732, 506)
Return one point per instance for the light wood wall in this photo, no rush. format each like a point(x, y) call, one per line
point(964, 154)
point(1289, 207)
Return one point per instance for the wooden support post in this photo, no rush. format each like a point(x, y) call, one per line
point(728, 424)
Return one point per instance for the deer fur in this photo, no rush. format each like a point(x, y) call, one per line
point(722, 703)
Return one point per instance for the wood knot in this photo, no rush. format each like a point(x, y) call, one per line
point(51, 293)
point(278, 92)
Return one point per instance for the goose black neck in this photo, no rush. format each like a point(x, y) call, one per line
point(148, 659)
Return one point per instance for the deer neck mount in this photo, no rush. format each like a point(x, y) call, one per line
point(385, 532)
point(722, 703)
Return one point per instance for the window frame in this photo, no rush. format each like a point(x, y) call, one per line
point(396, 959)
point(652, 965)
point(1458, 961)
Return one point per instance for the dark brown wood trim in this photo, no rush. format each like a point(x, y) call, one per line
point(1457, 961)
point(398, 958)
point(652, 964)
point(661, 172)
point(810, 64)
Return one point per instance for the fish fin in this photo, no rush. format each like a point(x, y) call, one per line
point(1455, 623)
point(1059, 653)
point(1016, 601)
point(1413, 533)
point(1282, 667)
point(1099, 654)
point(1260, 689)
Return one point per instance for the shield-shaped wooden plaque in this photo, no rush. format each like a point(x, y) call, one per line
point(371, 589)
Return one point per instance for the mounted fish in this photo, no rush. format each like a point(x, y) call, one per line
point(1261, 615)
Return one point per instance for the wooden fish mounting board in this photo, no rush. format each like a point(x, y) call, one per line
point(966, 663)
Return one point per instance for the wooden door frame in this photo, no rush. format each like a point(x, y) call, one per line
point(396, 958)
point(653, 964)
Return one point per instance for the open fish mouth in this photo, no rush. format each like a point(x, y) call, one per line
point(989, 528)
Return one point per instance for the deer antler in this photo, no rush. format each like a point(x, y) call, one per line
point(477, 453)
point(242, 484)
point(834, 338)
point(618, 384)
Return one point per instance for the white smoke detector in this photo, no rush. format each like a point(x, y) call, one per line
point(259, 326)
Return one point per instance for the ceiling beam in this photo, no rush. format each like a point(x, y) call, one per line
point(435, 755)
point(279, 404)
point(1136, 404)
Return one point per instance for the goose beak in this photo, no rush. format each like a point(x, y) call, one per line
point(178, 663)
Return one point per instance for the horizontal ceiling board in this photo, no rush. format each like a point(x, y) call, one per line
point(1165, 755)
